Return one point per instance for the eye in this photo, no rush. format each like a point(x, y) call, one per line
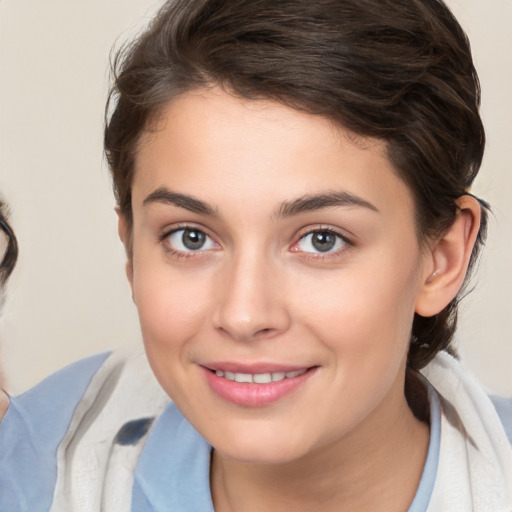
point(190, 240)
point(322, 241)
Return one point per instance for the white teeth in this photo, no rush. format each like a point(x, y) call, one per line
point(262, 378)
point(243, 377)
point(290, 375)
point(259, 378)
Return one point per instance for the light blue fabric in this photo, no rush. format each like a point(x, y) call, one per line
point(428, 477)
point(173, 471)
point(33, 427)
point(174, 467)
point(503, 406)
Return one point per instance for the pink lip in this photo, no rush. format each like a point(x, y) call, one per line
point(253, 395)
point(228, 366)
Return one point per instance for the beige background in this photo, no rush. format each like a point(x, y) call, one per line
point(69, 298)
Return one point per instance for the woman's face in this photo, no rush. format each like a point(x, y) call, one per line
point(276, 249)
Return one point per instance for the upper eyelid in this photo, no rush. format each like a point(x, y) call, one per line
point(319, 257)
point(347, 243)
point(168, 230)
point(337, 231)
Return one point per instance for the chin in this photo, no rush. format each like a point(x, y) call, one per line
point(245, 447)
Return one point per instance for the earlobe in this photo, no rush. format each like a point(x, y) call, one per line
point(449, 258)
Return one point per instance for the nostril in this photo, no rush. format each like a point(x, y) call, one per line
point(264, 332)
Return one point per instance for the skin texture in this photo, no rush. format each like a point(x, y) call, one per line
point(259, 293)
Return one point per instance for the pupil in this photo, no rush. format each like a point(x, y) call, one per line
point(193, 240)
point(323, 241)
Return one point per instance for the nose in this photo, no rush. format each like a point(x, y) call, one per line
point(251, 300)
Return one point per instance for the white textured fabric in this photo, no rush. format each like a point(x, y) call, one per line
point(475, 463)
point(95, 473)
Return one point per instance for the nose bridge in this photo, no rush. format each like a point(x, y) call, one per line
point(250, 302)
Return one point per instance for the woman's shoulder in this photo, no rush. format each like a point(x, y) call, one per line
point(175, 456)
point(50, 404)
point(52, 398)
point(33, 427)
point(112, 424)
point(76, 409)
point(503, 406)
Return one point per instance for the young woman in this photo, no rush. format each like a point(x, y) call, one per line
point(293, 188)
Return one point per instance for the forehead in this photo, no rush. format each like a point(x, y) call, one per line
point(213, 143)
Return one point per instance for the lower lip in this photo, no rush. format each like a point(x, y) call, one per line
point(254, 395)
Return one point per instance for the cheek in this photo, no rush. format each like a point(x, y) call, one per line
point(170, 317)
point(170, 309)
point(365, 316)
point(365, 326)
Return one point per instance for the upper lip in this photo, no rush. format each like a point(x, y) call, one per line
point(253, 368)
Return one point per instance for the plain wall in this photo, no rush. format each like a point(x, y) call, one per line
point(69, 297)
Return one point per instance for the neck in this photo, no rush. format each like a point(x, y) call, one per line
point(376, 467)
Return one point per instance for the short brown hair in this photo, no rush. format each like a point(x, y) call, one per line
point(397, 70)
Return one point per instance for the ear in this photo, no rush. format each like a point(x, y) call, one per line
point(124, 231)
point(447, 260)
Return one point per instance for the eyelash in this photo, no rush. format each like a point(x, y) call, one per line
point(317, 256)
point(183, 255)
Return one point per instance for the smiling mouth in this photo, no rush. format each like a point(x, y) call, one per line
point(259, 378)
point(257, 388)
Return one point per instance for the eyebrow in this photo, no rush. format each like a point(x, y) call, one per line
point(166, 196)
point(309, 203)
point(304, 204)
